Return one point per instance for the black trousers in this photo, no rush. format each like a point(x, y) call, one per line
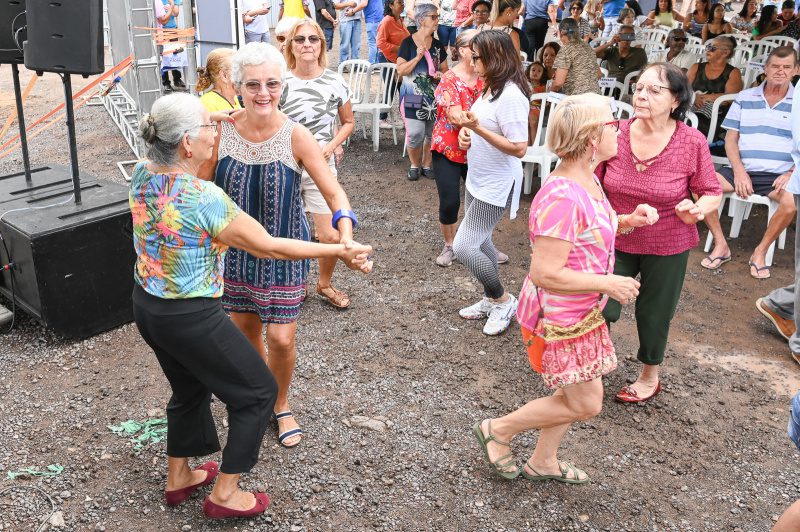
point(202, 352)
point(536, 31)
point(449, 176)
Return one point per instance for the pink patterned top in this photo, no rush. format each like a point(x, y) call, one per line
point(450, 92)
point(683, 168)
point(564, 210)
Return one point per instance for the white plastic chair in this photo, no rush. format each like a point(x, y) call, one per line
point(695, 48)
point(609, 86)
point(628, 81)
point(738, 37)
point(378, 99)
point(741, 55)
point(356, 78)
point(604, 71)
point(597, 42)
point(537, 153)
point(691, 39)
point(648, 46)
point(781, 40)
point(640, 20)
point(712, 128)
point(656, 35)
point(691, 119)
point(621, 110)
point(739, 210)
point(752, 69)
point(757, 48)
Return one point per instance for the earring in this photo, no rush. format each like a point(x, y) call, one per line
point(188, 155)
point(594, 155)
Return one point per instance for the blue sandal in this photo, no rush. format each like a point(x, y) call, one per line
point(283, 436)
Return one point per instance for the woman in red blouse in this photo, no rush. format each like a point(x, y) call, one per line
point(457, 91)
point(663, 162)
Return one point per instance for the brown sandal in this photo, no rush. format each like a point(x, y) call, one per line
point(335, 297)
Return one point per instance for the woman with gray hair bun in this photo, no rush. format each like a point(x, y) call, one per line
point(421, 60)
point(182, 227)
point(259, 164)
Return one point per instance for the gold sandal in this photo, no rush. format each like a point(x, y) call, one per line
point(335, 297)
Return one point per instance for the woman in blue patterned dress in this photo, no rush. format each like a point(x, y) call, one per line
point(260, 161)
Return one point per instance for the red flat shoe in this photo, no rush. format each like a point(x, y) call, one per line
point(175, 497)
point(215, 511)
point(629, 395)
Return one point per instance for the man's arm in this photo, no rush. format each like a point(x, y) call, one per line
point(360, 7)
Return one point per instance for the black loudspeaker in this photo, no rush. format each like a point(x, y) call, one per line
point(73, 264)
point(12, 32)
point(64, 36)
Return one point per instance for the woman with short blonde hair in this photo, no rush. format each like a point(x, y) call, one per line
point(289, 51)
point(572, 228)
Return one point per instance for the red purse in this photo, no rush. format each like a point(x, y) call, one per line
point(534, 342)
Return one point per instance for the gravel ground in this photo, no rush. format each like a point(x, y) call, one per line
point(387, 391)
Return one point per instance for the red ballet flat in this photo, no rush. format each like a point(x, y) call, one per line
point(175, 497)
point(215, 511)
point(629, 395)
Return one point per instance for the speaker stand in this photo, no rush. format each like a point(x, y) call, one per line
point(73, 146)
point(23, 136)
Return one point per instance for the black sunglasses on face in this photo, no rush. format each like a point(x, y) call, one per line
point(679, 39)
point(301, 39)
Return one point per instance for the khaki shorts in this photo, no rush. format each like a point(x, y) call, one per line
point(313, 199)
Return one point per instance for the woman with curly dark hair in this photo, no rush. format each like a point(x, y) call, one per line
point(495, 132)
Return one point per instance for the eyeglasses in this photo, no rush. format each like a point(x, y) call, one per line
point(254, 87)
point(212, 125)
point(433, 17)
point(301, 39)
point(714, 48)
point(679, 39)
point(614, 123)
point(652, 90)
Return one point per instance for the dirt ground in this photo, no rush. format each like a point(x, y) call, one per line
point(710, 453)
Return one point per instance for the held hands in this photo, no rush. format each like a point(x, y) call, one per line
point(356, 256)
point(689, 212)
point(643, 215)
point(623, 289)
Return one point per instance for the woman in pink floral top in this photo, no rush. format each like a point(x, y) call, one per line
point(664, 162)
point(457, 91)
point(572, 230)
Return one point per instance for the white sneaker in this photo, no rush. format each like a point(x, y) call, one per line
point(500, 317)
point(502, 258)
point(478, 311)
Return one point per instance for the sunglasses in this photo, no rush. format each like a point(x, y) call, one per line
point(614, 123)
point(679, 39)
point(280, 38)
point(301, 39)
point(254, 87)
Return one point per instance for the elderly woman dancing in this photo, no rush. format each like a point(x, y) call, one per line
point(259, 165)
point(661, 161)
point(182, 227)
point(316, 97)
point(572, 230)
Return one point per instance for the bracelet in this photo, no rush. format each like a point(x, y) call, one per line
point(620, 231)
point(344, 213)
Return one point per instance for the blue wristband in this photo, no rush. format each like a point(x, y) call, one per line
point(343, 213)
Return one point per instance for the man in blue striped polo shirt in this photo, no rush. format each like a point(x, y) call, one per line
point(758, 144)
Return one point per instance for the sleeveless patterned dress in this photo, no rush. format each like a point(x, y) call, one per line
point(264, 180)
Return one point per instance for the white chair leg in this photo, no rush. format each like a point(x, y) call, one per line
point(394, 133)
point(376, 131)
point(527, 178)
point(782, 240)
point(738, 217)
point(747, 210)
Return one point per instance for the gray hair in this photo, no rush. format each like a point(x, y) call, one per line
point(255, 54)
point(171, 117)
point(569, 27)
point(423, 10)
point(285, 25)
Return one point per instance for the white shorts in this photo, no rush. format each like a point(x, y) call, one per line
point(313, 199)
